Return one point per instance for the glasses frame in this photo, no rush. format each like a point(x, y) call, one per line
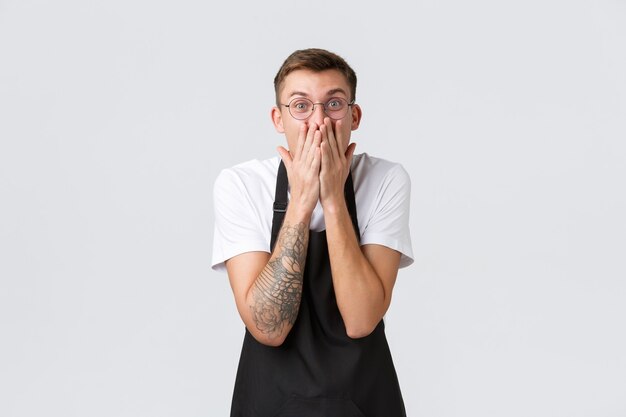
point(350, 104)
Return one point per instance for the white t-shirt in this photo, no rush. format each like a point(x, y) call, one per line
point(244, 196)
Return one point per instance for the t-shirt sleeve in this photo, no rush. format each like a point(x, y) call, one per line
point(388, 224)
point(238, 226)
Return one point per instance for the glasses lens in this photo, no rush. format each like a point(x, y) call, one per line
point(336, 108)
point(301, 108)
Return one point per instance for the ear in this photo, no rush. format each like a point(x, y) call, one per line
point(277, 119)
point(356, 116)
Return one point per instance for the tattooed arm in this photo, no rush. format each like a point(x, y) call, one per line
point(268, 289)
point(274, 298)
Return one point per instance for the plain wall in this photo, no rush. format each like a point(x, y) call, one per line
point(116, 117)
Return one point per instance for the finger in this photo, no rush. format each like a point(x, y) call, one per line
point(332, 141)
point(340, 140)
point(326, 157)
point(338, 135)
point(317, 160)
point(350, 152)
point(313, 169)
point(285, 156)
point(310, 133)
point(327, 139)
point(314, 149)
point(301, 140)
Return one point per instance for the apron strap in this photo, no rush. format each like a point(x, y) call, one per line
point(281, 201)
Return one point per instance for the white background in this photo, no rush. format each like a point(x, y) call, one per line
point(116, 116)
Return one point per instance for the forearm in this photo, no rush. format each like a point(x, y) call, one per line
point(359, 291)
point(274, 297)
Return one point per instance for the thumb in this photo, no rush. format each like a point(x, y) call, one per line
point(285, 156)
point(350, 151)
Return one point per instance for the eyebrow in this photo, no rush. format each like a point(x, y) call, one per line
point(328, 93)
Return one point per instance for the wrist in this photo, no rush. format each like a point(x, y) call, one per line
point(298, 213)
point(334, 206)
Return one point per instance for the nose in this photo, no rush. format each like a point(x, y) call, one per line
point(318, 114)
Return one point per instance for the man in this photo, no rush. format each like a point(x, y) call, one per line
point(312, 242)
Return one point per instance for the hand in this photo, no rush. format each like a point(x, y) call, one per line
point(335, 164)
point(303, 168)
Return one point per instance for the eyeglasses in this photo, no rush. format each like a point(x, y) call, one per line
point(302, 108)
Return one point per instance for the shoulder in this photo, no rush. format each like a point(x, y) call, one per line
point(366, 164)
point(369, 170)
point(242, 202)
point(250, 185)
point(253, 170)
point(249, 175)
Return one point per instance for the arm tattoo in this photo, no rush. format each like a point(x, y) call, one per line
point(278, 289)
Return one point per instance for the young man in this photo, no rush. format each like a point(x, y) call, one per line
point(312, 242)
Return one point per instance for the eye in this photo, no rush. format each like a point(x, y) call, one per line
point(335, 104)
point(300, 106)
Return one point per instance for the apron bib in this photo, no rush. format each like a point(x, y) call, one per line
point(318, 371)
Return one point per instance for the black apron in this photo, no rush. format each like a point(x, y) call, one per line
point(318, 371)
